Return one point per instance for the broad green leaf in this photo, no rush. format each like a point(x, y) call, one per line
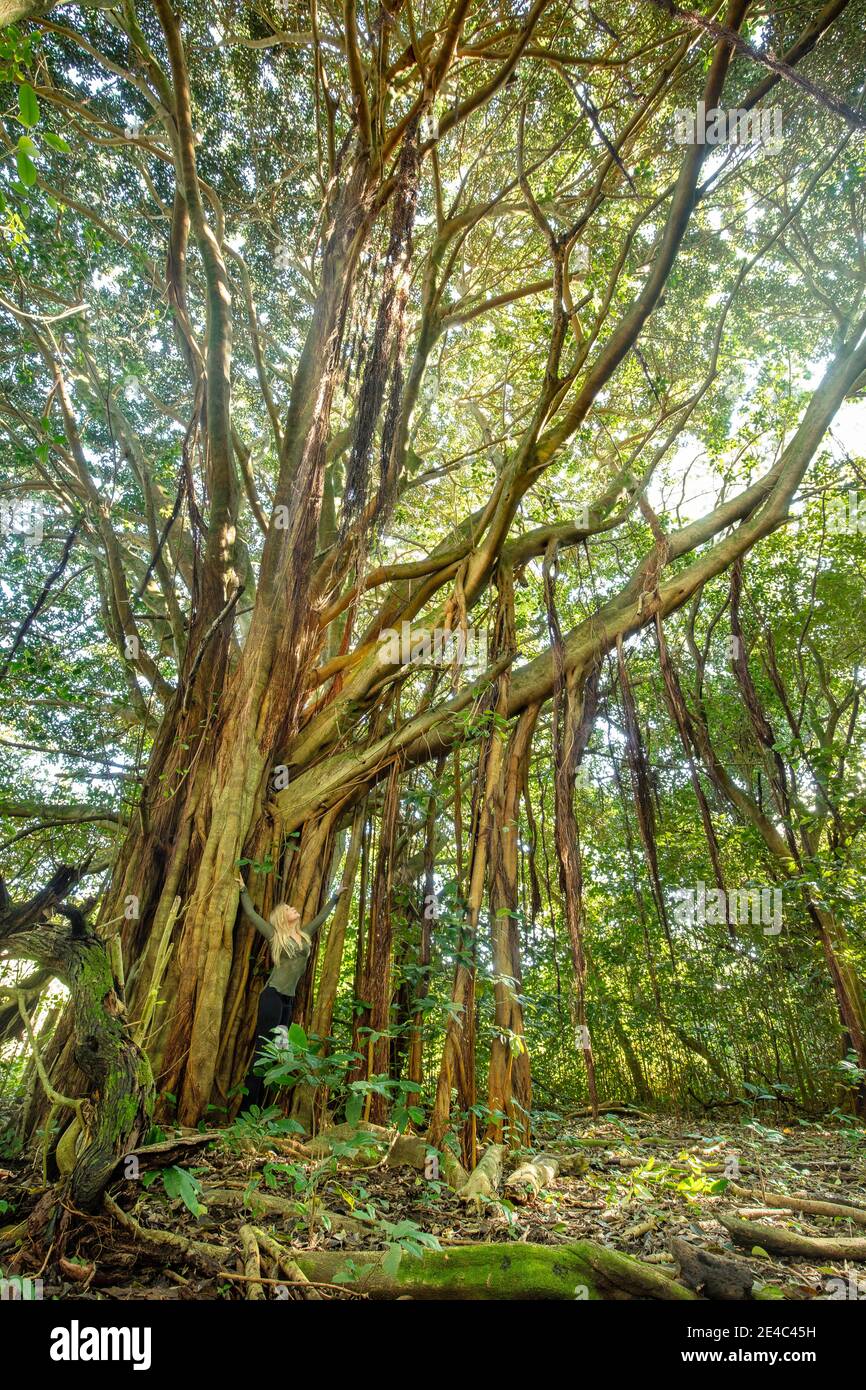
point(56, 142)
point(28, 105)
point(26, 168)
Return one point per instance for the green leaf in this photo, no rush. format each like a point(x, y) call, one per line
point(26, 168)
point(56, 142)
point(179, 1183)
point(297, 1036)
point(28, 106)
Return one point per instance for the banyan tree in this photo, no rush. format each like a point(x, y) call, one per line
point(355, 362)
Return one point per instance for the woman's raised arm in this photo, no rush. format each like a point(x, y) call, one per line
point(250, 913)
point(312, 927)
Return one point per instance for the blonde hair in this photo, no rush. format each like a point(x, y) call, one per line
point(286, 922)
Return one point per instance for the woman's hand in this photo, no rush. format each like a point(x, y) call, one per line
point(240, 881)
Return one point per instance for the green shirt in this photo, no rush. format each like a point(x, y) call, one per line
point(285, 976)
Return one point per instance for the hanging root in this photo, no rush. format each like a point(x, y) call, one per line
point(642, 788)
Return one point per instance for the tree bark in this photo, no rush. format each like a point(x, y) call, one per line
point(119, 1099)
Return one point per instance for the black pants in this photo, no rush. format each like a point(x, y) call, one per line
point(274, 1009)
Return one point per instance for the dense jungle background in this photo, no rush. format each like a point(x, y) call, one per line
point(432, 466)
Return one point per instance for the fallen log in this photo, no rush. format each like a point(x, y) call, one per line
point(408, 1151)
point(414, 1151)
point(578, 1271)
point(160, 1155)
point(810, 1205)
point(452, 1170)
point(484, 1180)
point(284, 1144)
point(641, 1228)
point(779, 1242)
point(355, 1144)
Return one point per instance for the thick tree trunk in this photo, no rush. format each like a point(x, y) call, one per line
point(203, 805)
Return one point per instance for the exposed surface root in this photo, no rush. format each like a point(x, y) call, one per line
point(618, 1208)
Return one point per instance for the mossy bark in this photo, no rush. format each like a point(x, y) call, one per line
point(117, 1074)
point(579, 1271)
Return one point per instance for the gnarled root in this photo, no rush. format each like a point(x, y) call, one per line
point(211, 1259)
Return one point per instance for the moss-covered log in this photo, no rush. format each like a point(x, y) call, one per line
point(579, 1271)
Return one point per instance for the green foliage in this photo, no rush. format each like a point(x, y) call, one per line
point(179, 1183)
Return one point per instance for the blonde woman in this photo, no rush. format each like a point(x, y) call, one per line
point(290, 945)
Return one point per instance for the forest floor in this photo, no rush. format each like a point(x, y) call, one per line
point(650, 1182)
